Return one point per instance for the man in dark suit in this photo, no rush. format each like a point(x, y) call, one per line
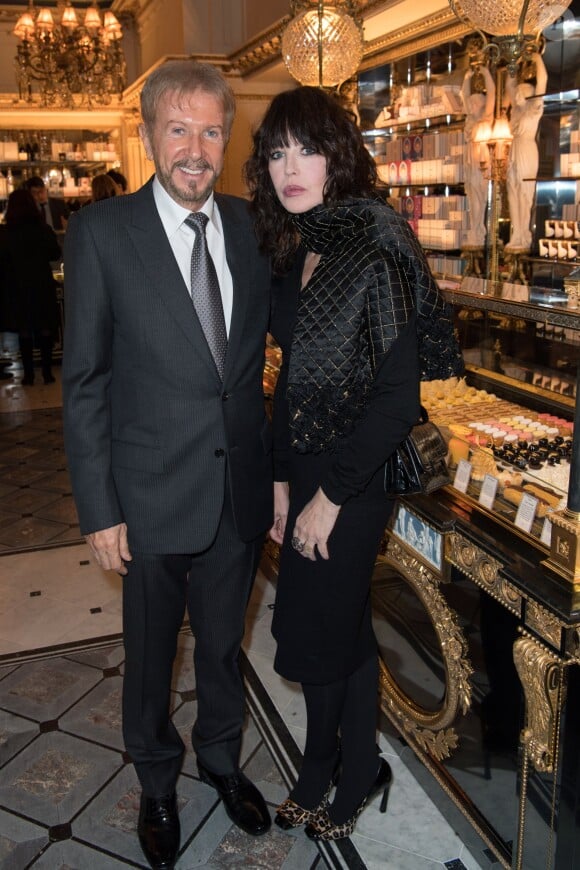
point(52, 209)
point(168, 445)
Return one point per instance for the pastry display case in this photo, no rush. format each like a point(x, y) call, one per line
point(509, 422)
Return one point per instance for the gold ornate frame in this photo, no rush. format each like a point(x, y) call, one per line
point(432, 730)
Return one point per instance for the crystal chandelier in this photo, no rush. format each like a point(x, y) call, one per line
point(70, 63)
point(513, 24)
point(323, 43)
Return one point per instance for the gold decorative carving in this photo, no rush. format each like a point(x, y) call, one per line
point(565, 546)
point(483, 569)
point(257, 54)
point(543, 623)
point(432, 730)
point(573, 642)
point(542, 676)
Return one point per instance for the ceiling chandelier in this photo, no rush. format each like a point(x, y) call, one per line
point(323, 43)
point(70, 63)
point(514, 25)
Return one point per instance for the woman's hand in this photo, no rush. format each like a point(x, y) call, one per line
point(281, 502)
point(314, 526)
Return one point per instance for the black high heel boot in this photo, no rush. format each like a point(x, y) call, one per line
point(323, 828)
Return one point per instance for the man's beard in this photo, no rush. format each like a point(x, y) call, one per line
point(189, 194)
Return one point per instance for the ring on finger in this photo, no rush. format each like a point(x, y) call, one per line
point(297, 544)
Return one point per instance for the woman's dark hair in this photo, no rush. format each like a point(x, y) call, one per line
point(316, 119)
point(22, 208)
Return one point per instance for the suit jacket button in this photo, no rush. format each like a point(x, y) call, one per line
point(219, 453)
point(225, 397)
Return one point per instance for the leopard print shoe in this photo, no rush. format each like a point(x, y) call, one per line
point(291, 815)
point(323, 828)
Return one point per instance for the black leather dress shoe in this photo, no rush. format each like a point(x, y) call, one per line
point(158, 830)
point(243, 802)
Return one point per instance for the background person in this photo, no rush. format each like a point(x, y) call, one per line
point(345, 317)
point(27, 245)
point(103, 187)
point(52, 209)
point(168, 443)
point(119, 180)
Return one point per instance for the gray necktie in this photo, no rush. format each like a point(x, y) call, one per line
point(205, 292)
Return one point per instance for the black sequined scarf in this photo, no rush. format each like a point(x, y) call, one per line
point(372, 274)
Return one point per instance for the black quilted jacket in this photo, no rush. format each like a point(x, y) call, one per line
point(371, 276)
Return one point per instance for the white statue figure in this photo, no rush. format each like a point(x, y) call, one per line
point(524, 93)
point(478, 97)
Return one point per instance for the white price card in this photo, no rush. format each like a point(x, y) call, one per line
point(462, 475)
point(526, 512)
point(488, 491)
point(546, 536)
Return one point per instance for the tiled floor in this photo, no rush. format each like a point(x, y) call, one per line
point(68, 799)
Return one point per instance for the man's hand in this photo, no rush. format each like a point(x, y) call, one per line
point(314, 525)
point(110, 548)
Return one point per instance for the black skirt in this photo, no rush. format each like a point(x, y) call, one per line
point(322, 616)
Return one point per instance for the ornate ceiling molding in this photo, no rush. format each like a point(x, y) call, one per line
point(419, 36)
point(260, 51)
point(441, 27)
point(10, 14)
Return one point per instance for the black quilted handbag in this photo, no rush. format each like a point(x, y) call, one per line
point(418, 464)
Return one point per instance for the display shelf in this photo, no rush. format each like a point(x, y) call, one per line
point(89, 165)
point(439, 187)
point(415, 125)
point(539, 179)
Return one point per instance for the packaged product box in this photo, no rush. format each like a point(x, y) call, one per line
point(404, 171)
point(412, 207)
point(417, 152)
point(10, 151)
point(450, 239)
point(418, 172)
point(430, 205)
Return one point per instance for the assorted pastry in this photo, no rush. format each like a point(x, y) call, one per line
point(527, 452)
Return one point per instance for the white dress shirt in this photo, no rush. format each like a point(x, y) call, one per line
point(182, 238)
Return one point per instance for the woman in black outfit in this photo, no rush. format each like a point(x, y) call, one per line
point(29, 306)
point(359, 319)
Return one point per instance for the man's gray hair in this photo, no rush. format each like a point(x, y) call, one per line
point(183, 77)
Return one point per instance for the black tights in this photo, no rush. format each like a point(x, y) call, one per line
point(348, 707)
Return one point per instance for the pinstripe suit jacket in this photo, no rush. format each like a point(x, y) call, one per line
point(150, 431)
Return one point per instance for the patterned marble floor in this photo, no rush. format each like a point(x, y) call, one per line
point(68, 799)
point(36, 505)
point(68, 796)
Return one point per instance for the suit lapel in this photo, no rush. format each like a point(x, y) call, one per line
point(236, 255)
point(154, 250)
